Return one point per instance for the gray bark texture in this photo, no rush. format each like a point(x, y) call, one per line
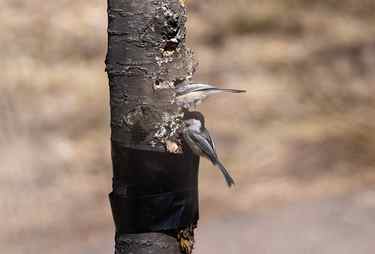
point(146, 59)
point(148, 243)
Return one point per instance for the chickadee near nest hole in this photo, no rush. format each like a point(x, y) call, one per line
point(198, 139)
point(189, 96)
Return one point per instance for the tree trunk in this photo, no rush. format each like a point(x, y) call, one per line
point(155, 196)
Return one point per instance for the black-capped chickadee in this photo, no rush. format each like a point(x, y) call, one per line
point(198, 139)
point(190, 95)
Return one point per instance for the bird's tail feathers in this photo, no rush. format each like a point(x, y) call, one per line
point(226, 174)
point(232, 90)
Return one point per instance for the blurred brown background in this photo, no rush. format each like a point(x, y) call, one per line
point(300, 142)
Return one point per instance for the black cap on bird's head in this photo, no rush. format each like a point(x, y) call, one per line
point(194, 115)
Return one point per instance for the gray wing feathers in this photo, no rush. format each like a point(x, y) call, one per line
point(207, 136)
point(204, 145)
point(201, 143)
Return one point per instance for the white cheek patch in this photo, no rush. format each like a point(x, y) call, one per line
point(195, 125)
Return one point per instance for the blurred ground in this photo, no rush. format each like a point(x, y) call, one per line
point(300, 143)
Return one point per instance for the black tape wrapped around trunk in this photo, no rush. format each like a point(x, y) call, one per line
point(153, 191)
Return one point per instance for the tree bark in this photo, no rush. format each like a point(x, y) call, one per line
point(155, 196)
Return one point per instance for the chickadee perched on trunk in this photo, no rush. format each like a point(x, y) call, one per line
point(198, 139)
point(191, 95)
